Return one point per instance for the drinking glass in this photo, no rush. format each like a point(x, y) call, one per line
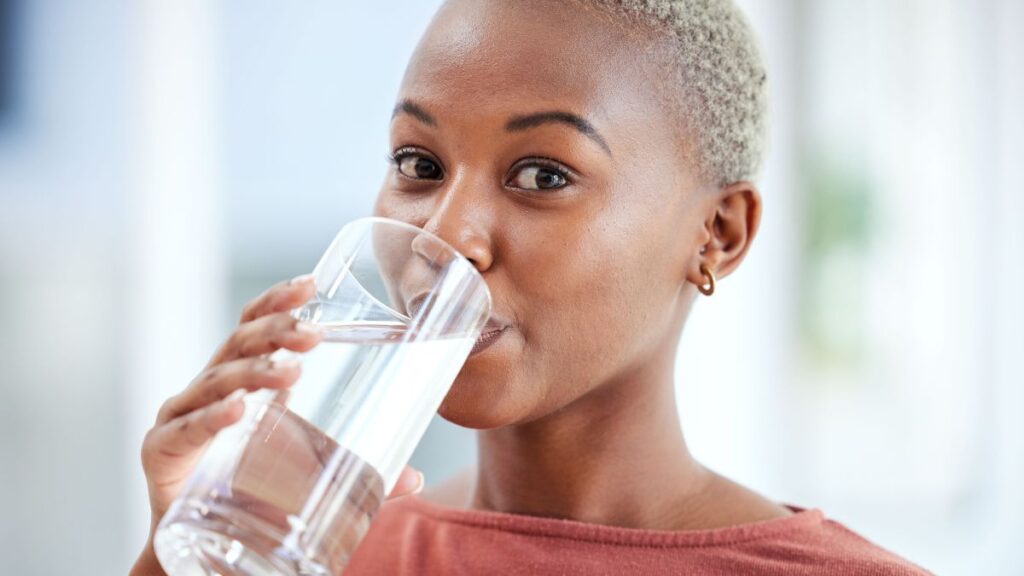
point(292, 487)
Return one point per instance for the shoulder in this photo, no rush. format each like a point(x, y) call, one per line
point(829, 547)
point(803, 540)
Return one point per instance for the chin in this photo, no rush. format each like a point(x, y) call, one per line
point(483, 395)
point(474, 405)
point(483, 400)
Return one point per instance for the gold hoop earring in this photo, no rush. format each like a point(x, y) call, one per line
point(708, 289)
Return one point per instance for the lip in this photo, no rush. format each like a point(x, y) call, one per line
point(491, 333)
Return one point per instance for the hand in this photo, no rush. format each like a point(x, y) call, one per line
point(213, 400)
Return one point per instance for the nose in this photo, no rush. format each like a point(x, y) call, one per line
point(460, 220)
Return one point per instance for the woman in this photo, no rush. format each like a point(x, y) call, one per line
point(594, 160)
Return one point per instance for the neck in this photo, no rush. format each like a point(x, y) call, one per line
point(615, 456)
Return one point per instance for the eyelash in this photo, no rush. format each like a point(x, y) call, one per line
point(542, 162)
point(397, 156)
point(567, 174)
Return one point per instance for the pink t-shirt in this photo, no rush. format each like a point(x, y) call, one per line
point(412, 536)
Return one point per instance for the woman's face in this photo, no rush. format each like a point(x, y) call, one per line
point(530, 136)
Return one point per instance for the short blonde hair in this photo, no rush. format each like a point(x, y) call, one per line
point(724, 83)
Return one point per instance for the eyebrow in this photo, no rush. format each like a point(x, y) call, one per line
point(411, 108)
point(518, 123)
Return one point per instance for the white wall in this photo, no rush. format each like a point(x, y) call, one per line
point(62, 190)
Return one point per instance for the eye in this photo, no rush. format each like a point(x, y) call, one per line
point(416, 165)
point(539, 176)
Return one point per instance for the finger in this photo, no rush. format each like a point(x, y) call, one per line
point(410, 481)
point(267, 334)
point(184, 436)
point(220, 381)
point(280, 297)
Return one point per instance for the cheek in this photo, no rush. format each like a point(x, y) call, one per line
point(582, 311)
point(562, 298)
point(603, 298)
point(582, 319)
point(390, 204)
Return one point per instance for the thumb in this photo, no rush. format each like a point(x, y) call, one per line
point(410, 481)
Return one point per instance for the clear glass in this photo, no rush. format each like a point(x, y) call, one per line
point(292, 487)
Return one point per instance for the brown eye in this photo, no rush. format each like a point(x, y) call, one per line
point(538, 178)
point(418, 166)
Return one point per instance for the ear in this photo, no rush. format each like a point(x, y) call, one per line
point(729, 229)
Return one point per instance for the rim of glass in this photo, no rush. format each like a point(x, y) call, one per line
point(444, 244)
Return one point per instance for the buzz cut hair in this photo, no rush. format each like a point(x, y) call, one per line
point(721, 79)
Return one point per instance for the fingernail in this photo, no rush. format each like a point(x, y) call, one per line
point(422, 482)
point(235, 396)
point(308, 328)
point(302, 278)
point(284, 363)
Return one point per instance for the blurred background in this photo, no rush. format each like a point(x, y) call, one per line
point(163, 162)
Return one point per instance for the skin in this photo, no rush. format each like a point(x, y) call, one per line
point(592, 280)
point(188, 421)
point(592, 277)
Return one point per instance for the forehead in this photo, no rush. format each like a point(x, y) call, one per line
point(520, 56)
